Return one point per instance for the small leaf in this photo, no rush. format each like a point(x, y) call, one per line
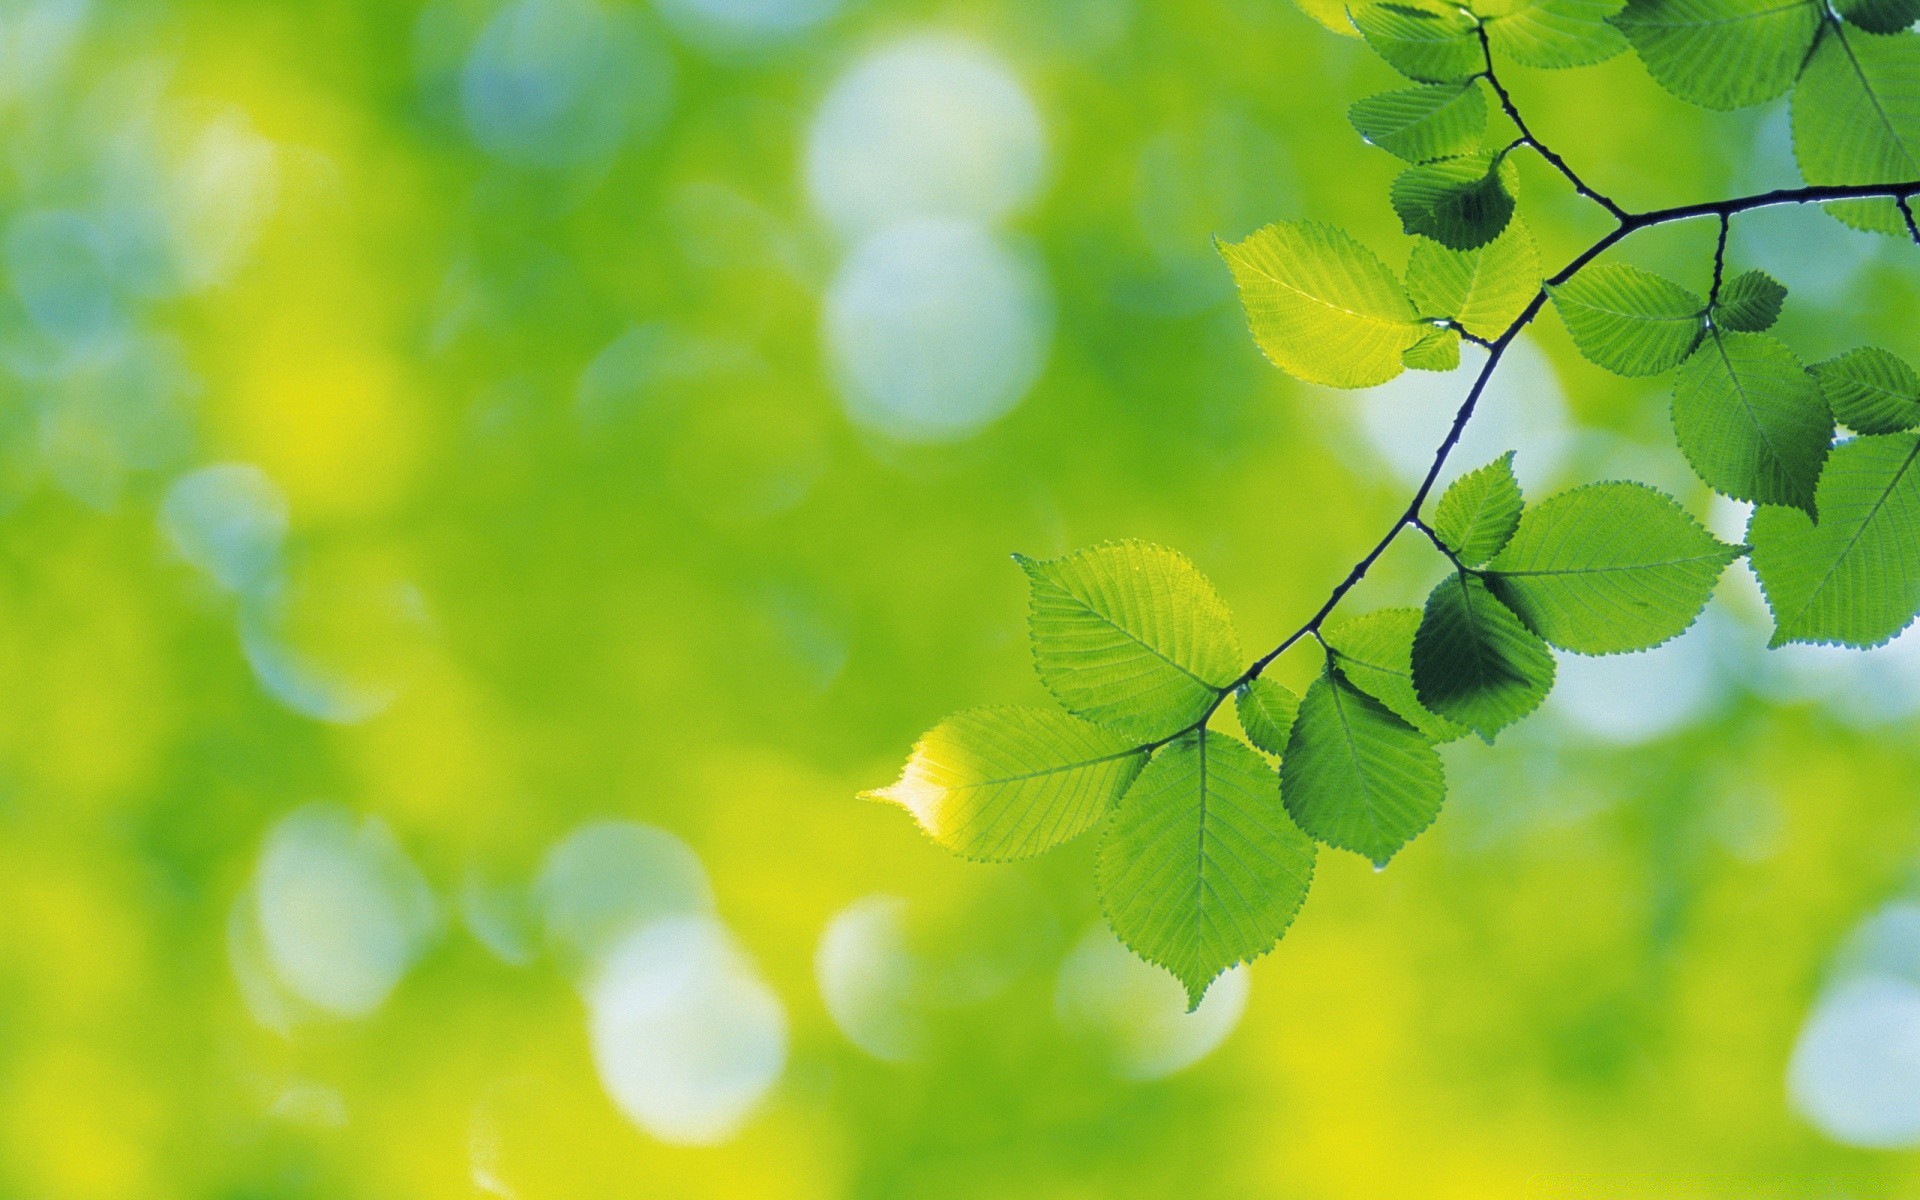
point(1433, 43)
point(1631, 322)
point(1422, 123)
point(1870, 390)
point(1131, 635)
point(1856, 119)
point(1357, 777)
point(1853, 579)
point(1437, 350)
point(1323, 307)
point(1266, 713)
point(1200, 868)
point(1005, 783)
point(1332, 14)
point(1751, 421)
point(1880, 16)
point(1485, 290)
point(1462, 203)
point(1474, 661)
point(1722, 54)
point(1374, 652)
point(1607, 568)
point(1552, 33)
point(1477, 515)
point(1750, 302)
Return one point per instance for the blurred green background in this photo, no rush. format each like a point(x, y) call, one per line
point(482, 486)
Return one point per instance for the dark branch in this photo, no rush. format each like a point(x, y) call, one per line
point(1719, 259)
point(1906, 210)
point(1526, 136)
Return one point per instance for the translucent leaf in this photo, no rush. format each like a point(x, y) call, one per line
point(1853, 579)
point(1357, 777)
point(1880, 16)
point(1330, 13)
point(1870, 390)
point(1485, 290)
point(1374, 652)
point(1266, 713)
point(1552, 33)
point(1477, 515)
point(1751, 421)
point(1434, 43)
point(1130, 635)
point(1474, 661)
point(1749, 302)
point(1199, 867)
point(1005, 783)
point(1462, 203)
point(1631, 322)
point(1722, 54)
point(1437, 350)
point(1422, 123)
point(1323, 307)
point(1856, 118)
point(1608, 568)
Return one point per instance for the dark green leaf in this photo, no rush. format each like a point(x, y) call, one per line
point(1751, 421)
point(1374, 652)
point(1462, 203)
point(1477, 515)
point(1357, 777)
point(1870, 390)
point(1474, 661)
point(1880, 16)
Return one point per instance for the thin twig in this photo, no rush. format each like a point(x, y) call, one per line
point(1526, 136)
point(1719, 259)
point(1906, 210)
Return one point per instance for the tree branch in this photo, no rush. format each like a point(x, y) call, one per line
point(1526, 135)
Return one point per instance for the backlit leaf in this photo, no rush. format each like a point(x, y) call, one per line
point(1437, 350)
point(1374, 652)
point(1870, 390)
point(1749, 302)
point(1485, 290)
point(1463, 203)
point(1417, 124)
point(1357, 777)
point(1474, 661)
point(1552, 33)
point(1631, 322)
point(1480, 511)
point(1722, 54)
point(1266, 711)
point(1431, 42)
point(1856, 118)
point(1751, 421)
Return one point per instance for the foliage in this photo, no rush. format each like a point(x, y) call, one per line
point(1208, 850)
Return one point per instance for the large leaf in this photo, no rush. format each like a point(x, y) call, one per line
point(1474, 661)
point(1427, 122)
point(1856, 118)
point(1631, 322)
point(1853, 579)
point(1485, 290)
point(1463, 202)
point(1870, 390)
point(1200, 867)
point(1608, 567)
point(1266, 711)
point(1374, 652)
point(1430, 42)
point(1722, 54)
point(1130, 635)
point(1751, 420)
point(1323, 307)
point(1480, 511)
point(1749, 303)
point(1005, 783)
point(1552, 33)
point(1880, 16)
point(1357, 777)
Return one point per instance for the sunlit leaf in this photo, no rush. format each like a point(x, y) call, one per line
point(1631, 322)
point(1722, 54)
point(1463, 203)
point(1608, 567)
point(1417, 124)
point(1749, 302)
point(1357, 777)
point(1870, 390)
point(1005, 783)
point(1480, 511)
point(1856, 118)
point(1374, 652)
point(1751, 421)
point(1437, 350)
point(1473, 660)
point(1853, 579)
point(1200, 867)
point(1431, 42)
point(1485, 290)
point(1266, 711)
point(1131, 635)
point(1552, 33)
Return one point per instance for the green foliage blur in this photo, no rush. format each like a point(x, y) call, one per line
point(432, 431)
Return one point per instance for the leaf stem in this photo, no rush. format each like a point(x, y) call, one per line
point(1719, 261)
point(1906, 210)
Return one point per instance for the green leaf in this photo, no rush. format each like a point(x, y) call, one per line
point(1199, 867)
point(1607, 568)
point(1722, 54)
point(1266, 713)
point(1485, 290)
point(1853, 579)
point(1880, 16)
point(1357, 777)
point(1462, 203)
point(1474, 661)
point(1437, 350)
point(1477, 515)
point(1749, 302)
point(1427, 122)
point(1374, 652)
point(1870, 390)
point(1433, 43)
point(1751, 421)
point(1130, 635)
point(1856, 119)
point(1631, 322)
point(1330, 13)
point(1323, 307)
point(1005, 783)
point(1552, 33)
